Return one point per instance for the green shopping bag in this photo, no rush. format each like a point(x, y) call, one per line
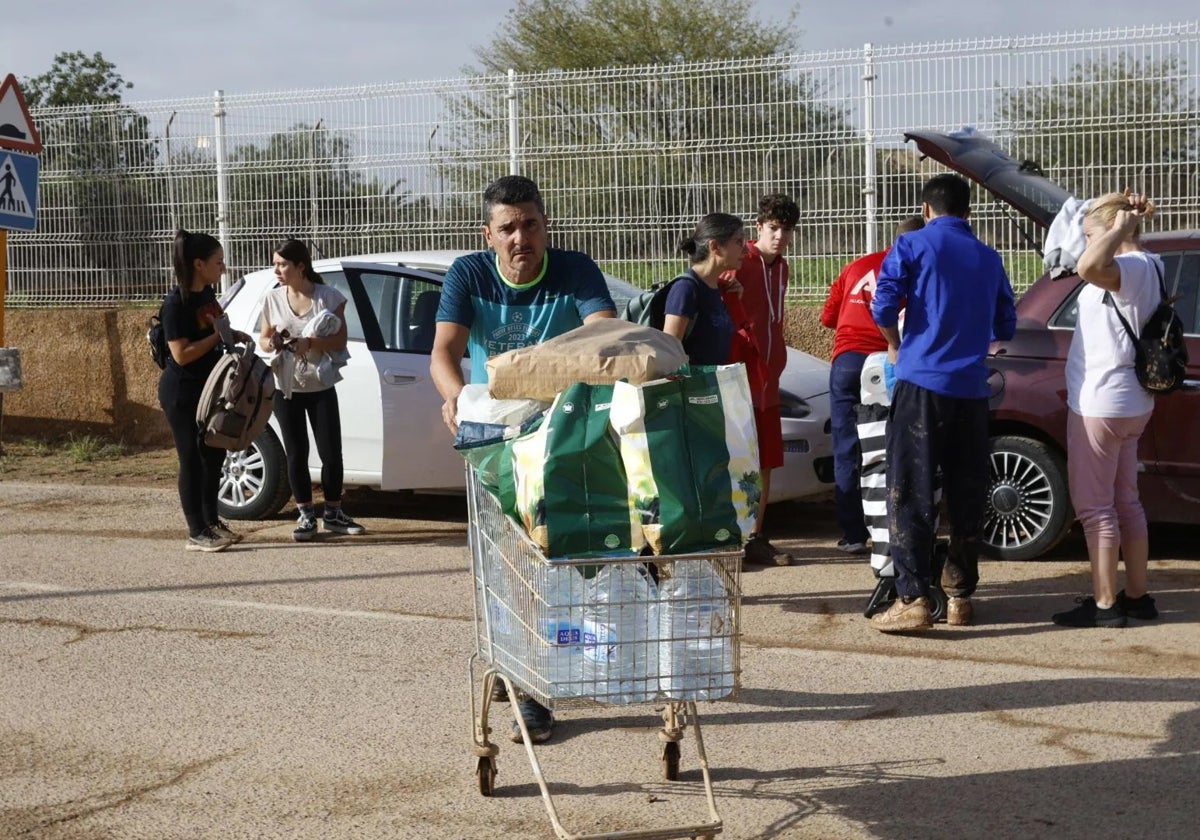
point(565, 482)
point(690, 451)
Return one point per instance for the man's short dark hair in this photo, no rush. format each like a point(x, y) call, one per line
point(948, 195)
point(778, 208)
point(511, 190)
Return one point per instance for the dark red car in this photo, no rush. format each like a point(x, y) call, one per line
point(1029, 508)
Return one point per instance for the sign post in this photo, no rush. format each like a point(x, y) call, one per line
point(19, 145)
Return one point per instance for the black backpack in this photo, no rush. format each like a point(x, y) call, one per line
point(1160, 355)
point(157, 340)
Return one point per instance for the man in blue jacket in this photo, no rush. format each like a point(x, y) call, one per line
point(957, 300)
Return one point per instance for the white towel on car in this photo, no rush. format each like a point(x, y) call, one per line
point(1065, 241)
point(324, 370)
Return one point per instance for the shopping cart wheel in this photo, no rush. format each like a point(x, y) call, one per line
point(937, 603)
point(486, 771)
point(670, 761)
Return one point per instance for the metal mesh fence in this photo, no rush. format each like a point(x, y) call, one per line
point(628, 159)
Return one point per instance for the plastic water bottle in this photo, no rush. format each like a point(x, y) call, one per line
point(696, 652)
point(560, 626)
point(620, 638)
point(501, 622)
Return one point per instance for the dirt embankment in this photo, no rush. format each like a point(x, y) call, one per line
point(89, 372)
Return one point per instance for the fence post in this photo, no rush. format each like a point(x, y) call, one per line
point(222, 184)
point(514, 129)
point(868, 190)
point(312, 181)
point(171, 178)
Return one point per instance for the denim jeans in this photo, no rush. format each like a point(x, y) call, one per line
point(845, 392)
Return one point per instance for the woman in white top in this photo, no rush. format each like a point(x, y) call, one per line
point(1109, 410)
point(290, 313)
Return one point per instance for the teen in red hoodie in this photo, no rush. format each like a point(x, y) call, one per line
point(764, 280)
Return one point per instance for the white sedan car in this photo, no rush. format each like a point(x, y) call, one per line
point(393, 437)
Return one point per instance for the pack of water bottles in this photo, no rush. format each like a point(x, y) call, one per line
point(621, 631)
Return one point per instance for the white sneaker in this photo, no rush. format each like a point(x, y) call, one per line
point(852, 547)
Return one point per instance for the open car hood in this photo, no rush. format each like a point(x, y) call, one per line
point(1021, 184)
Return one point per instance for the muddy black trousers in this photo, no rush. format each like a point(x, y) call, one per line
point(928, 431)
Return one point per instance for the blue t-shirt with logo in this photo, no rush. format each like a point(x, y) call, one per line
point(503, 317)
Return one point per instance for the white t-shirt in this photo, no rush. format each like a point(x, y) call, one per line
point(1101, 381)
point(280, 315)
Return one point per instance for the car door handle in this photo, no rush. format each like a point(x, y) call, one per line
point(393, 378)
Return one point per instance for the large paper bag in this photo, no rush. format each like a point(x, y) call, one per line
point(600, 352)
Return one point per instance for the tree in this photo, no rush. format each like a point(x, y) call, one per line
point(75, 79)
point(542, 35)
point(1109, 124)
point(680, 140)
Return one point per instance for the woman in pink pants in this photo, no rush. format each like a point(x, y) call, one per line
point(1109, 410)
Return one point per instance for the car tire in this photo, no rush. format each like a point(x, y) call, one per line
point(254, 482)
point(1029, 506)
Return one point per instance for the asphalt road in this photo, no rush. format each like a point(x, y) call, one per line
point(320, 691)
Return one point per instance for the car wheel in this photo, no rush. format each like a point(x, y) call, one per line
point(254, 482)
point(1029, 507)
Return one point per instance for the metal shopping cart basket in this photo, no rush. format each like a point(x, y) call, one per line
point(576, 632)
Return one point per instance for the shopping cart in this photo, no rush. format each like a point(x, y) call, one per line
point(578, 632)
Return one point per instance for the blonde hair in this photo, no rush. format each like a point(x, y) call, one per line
point(1104, 209)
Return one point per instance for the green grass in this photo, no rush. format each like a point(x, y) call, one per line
point(87, 448)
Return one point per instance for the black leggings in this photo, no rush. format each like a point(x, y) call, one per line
point(321, 409)
point(199, 464)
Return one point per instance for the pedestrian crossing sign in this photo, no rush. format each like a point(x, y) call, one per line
point(18, 190)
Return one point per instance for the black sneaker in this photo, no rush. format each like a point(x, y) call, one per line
point(758, 551)
point(222, 530)
point(207, 541)
point(538, 720)
point(1087, 614)
point(1142, 608)
point(306, 527)
point(336, 520)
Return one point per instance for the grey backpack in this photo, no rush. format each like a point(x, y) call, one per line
point(237, 399)
point(650, 307)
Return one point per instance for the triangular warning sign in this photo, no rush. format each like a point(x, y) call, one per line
point(13, 199)
point(16, 126)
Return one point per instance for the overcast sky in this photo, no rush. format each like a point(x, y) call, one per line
point(171, 49)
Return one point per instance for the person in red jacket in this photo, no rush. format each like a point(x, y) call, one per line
point(848, 310)
point(763, 277)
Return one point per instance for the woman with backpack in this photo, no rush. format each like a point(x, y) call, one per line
point(1109, 409)
point(190, 315)
point(306, 319)
point(695, 311)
